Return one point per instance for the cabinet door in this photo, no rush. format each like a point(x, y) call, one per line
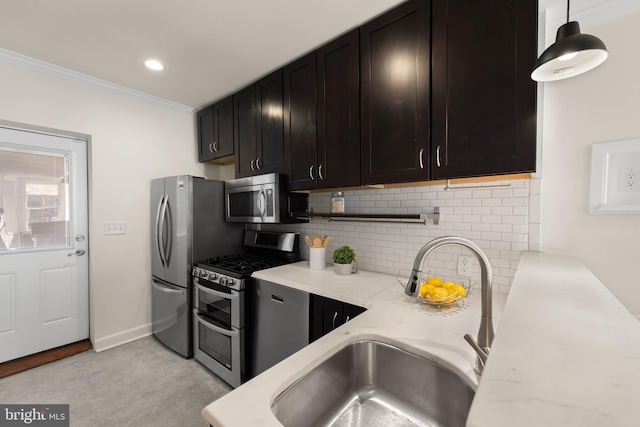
point(349, 311)
point(223, 128)
point(244, 135)
point(205, 134)
point(326, 315)
point(395, 68)
point(300, 123)
point(339, 112)
point(483, 100)
point(269, 126)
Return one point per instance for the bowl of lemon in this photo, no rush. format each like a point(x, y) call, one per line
point(435, 291)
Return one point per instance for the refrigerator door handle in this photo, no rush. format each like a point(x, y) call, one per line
point(166, 289)
point(159, 232)
point(168, 219)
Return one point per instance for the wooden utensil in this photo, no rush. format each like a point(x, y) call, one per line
point(317, 243)
point(308, 240)
point(326, 241)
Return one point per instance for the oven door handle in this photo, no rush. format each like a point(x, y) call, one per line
point(233, 296)
point(214, 328)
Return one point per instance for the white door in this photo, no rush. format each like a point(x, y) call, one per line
point(44, 280)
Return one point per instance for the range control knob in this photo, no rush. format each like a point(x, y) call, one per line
point(230, 282)
point(223, 281)
point(213, 276)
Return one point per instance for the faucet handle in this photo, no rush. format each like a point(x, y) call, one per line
point(483, 354)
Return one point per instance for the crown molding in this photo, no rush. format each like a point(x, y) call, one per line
point(591, 16)
point(45, 67)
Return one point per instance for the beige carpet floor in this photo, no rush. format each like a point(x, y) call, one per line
point(141, 383)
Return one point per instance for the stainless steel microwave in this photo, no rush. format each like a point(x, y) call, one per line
point(262, 199)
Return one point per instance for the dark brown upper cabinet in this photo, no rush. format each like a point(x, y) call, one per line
point(322, 116)
point(215, 131)
point(258, 127)
point(339, 112)
point(395, 69)
point(483, 100)
point(300, 138)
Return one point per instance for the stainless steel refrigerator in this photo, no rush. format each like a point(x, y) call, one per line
point(187, 225)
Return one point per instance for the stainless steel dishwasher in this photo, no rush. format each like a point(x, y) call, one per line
point(280, 326)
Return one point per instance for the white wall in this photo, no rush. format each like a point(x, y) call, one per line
point(599, 106)
point(132, 141)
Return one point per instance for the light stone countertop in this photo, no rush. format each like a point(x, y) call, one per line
point(566, 351)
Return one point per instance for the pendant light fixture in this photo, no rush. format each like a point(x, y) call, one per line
point(572, 54)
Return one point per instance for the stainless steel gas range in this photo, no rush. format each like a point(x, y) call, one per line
point(221, 305)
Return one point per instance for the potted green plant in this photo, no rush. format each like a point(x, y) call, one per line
point(343, 259)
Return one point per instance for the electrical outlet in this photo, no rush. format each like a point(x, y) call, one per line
point(630, 179)
point(464, 265)
point(115, 228)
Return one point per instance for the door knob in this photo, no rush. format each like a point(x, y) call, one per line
point(79, 252)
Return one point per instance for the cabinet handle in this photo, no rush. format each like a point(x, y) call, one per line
point(253, 168)
point(320, 172)
point(333, 323)
point(258, 163)
point(421, 162)
point(347, 319)
point(438, 156)
point(211, 147)
point(311, 173)
point(216, 146)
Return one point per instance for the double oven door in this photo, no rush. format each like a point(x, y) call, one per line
point(218, 333)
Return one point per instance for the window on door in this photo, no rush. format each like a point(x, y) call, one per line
point(33, 200)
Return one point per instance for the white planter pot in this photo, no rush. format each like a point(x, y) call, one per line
point(343, 269)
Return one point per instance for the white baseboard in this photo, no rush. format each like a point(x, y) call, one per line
point(110, 341)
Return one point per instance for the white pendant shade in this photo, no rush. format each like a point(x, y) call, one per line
point(573, 53)
point(558, 69)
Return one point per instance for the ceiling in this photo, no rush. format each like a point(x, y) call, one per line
point(210, 48)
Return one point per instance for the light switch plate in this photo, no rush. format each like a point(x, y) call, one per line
point(115, 228)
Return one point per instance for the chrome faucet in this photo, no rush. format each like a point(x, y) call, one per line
point(485, 335)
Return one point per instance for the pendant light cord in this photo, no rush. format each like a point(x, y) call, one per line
point(568, 3)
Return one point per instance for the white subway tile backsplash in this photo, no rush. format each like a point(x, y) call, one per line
point(492, 202)
point(503, 222)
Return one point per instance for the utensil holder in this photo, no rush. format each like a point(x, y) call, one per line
point(317, 258)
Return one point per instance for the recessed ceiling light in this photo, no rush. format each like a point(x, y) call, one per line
point(154, 64)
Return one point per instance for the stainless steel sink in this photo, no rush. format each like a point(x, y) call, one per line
point(370, 383)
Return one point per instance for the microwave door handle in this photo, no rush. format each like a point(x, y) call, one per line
point(262, 199)
point(208, 325)
point(160, 231)
point(215, 293)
